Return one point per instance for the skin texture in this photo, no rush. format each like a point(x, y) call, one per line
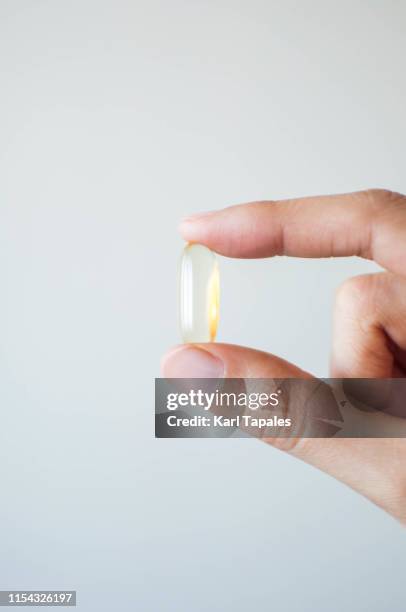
point(369, 322)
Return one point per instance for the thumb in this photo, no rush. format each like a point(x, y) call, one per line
point(215, 360)
point(307, 406)
point(362, 464)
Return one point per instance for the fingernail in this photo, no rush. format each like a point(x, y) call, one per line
point(197, 217)
point(191, 362)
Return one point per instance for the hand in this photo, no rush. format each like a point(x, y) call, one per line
point(369, 332)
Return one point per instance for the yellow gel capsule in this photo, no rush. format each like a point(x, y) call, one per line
point(199, 294)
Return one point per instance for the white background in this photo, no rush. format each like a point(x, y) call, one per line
point(117, 118)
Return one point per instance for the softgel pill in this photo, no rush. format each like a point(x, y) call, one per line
point(199, 294)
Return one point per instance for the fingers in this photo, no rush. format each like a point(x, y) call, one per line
point(216, 360)
point(371, 467)
point(370, 224)
point(369, 329)
point(306, 405)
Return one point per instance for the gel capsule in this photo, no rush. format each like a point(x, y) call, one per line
point(199, 293)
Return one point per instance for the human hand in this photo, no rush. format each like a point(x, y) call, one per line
point(369, 331)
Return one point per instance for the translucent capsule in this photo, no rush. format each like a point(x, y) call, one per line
point(199, 294)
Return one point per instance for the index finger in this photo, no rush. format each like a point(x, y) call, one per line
point(369, 224)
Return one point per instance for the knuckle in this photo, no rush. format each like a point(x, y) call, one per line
point(378, 193)
point(355, 293)
point(382, 198)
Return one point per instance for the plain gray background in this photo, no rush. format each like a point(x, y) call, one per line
point(117, 118)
